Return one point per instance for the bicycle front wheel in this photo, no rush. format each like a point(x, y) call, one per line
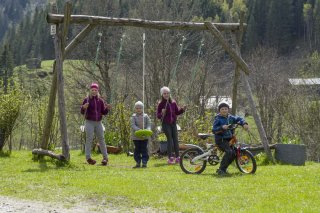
point(190, 167)
point(246, 162)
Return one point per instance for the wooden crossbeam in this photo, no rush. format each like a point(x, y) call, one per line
point(160, 25)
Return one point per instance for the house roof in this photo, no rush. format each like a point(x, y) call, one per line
point(304, 81)
point(213, 101)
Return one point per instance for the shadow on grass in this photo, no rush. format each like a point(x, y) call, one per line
point(6, 154)
point(49, 164)
point(160, 164)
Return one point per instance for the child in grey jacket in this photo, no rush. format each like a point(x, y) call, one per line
point(140, 144)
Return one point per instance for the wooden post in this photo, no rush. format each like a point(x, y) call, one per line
point(236, 56)
point(53, 89)
point(59, 42)
point(52, 101)
point(262, 133)
point(50, 110)
point(249, 94)
point(237, 69)
point(66, 23)
point(60, 87)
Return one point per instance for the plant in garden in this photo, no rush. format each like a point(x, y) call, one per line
point(118, 126)
point(10, 105)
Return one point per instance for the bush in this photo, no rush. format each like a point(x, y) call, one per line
point(10, 105)
point(118, 127)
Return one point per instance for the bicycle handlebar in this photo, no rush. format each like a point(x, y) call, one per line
point(232, 126)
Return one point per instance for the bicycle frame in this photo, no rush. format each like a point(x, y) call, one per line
point(195, 159)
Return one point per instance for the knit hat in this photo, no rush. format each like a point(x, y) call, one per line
point(94, 85)
point(138, 103)
point(163, 89)
point(223, 104)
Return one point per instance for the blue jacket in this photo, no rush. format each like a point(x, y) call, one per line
point(220, 120)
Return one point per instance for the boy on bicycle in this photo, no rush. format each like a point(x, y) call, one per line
point(223, 134)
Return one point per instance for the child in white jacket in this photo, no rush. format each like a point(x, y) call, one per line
point(140, 144)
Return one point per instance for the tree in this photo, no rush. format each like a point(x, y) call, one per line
point(6, 67)
point(279, 25)
point(307, 14)
point(316, 15)
point(269, 82)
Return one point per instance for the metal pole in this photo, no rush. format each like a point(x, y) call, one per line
point(143, 74)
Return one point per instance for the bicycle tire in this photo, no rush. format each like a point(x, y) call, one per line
point(192, 168)
point(246, 162)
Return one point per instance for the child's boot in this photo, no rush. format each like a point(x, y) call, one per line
point(136, 166)
point(178, 159)
point(91, 161)
point(104, 162)
point(171, 160)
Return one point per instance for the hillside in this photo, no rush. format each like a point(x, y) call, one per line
point(13, 11)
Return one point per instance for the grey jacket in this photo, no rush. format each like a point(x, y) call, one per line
point(136, 124)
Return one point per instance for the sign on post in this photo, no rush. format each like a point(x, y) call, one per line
point(53, 29)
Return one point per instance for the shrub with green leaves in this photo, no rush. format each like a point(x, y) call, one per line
point(118, 126)
point(10, 105)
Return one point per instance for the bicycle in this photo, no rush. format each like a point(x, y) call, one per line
point(194, 160)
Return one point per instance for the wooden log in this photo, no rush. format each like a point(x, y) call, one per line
point(160, 25)
point(78, 38)
point(43, 152)
point(216, 33)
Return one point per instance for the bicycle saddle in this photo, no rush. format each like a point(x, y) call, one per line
point(204, 136)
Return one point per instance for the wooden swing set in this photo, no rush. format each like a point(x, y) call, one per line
point(61, 23)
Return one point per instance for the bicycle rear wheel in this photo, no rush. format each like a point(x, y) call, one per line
point(246, 162)
point(190, 167)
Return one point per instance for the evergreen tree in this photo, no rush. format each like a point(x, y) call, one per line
point(251, 37)
point(257, 26)
point(298, 18)
point(280, 25)
point(316, 15)
point(6, 66)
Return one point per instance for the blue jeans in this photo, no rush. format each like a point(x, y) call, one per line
point(141, 151)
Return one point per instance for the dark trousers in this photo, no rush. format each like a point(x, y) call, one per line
point(171, 132)
point(229, 153)
point(141, 151)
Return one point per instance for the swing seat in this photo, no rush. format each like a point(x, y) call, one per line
point(159, 128)
point(143, 133)
point(83, 127)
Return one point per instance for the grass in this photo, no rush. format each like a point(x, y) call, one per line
point(281, 188)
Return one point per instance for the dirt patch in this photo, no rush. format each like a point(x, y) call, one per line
point(9, 204)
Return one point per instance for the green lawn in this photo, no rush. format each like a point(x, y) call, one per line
point(279, 188)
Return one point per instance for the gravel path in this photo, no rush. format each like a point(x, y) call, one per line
point(9, 204)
